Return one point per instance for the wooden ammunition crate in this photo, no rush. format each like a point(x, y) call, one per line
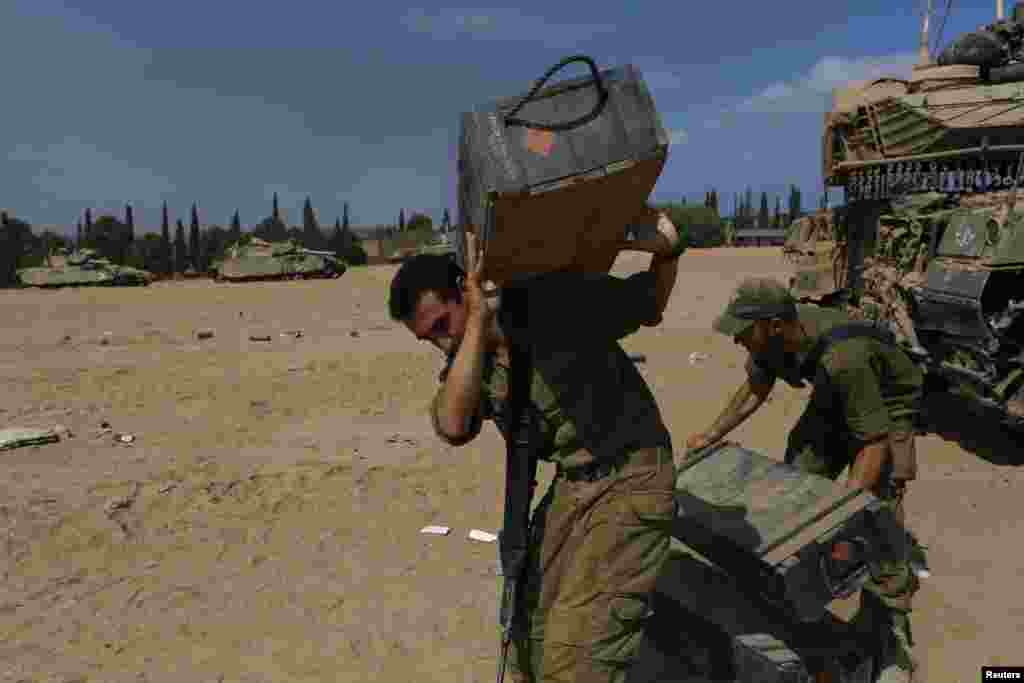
point(543, 201)
point(773, 526)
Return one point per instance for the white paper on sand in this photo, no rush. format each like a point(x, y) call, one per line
point(483, 536)
point(437, 530)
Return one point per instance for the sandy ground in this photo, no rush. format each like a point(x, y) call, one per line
point(264, 526)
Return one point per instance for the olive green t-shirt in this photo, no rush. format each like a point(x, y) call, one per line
point(865, 386)
point(591, 399)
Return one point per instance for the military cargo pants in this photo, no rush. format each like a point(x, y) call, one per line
point(886, 600)
point(597, 549)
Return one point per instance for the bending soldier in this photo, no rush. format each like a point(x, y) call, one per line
point(860, 415)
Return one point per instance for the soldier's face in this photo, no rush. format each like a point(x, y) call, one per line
point(441, 323)
point(763, 338)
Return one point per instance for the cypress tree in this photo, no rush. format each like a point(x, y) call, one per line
point(236, 227)
point(795, 209)
point(277, 214)
point(195, 242)
point(337, 244)
point(78, 235)
point(165, 244)
point(180, 249)
point(129, 221)
point(748, 208)
point(88, 227)
point(401, 220)
point(310, 227)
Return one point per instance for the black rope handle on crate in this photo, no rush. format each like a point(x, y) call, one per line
point(602, 99)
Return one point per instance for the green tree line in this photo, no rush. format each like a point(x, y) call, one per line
point(174, 250)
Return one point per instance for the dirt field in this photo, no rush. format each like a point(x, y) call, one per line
point(264, 525)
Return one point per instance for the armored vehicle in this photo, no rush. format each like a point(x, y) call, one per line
point(82, 268)
point(932, 230)
point(256, 259)
point(444, 245)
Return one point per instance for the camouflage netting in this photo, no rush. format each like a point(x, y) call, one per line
point(899, 263)
point(817, 253)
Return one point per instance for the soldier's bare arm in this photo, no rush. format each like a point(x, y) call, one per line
point(748, 398)
point(665, 272)
point(744, 403)
point(662, 244)
point(866, 470)
point(458, 402)
point(470, 428)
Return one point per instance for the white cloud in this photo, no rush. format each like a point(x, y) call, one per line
point(810, 92)
point(498, 24)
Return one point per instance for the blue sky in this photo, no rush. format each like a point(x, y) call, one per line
point(224, 102)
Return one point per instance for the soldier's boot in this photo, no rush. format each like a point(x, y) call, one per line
point(897, 663)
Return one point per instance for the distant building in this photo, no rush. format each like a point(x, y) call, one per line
point(760, 237)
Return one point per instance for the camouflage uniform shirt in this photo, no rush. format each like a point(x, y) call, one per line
point(864, 387)
point(591, 399)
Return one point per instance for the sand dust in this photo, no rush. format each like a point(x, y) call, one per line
point(264, 525)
